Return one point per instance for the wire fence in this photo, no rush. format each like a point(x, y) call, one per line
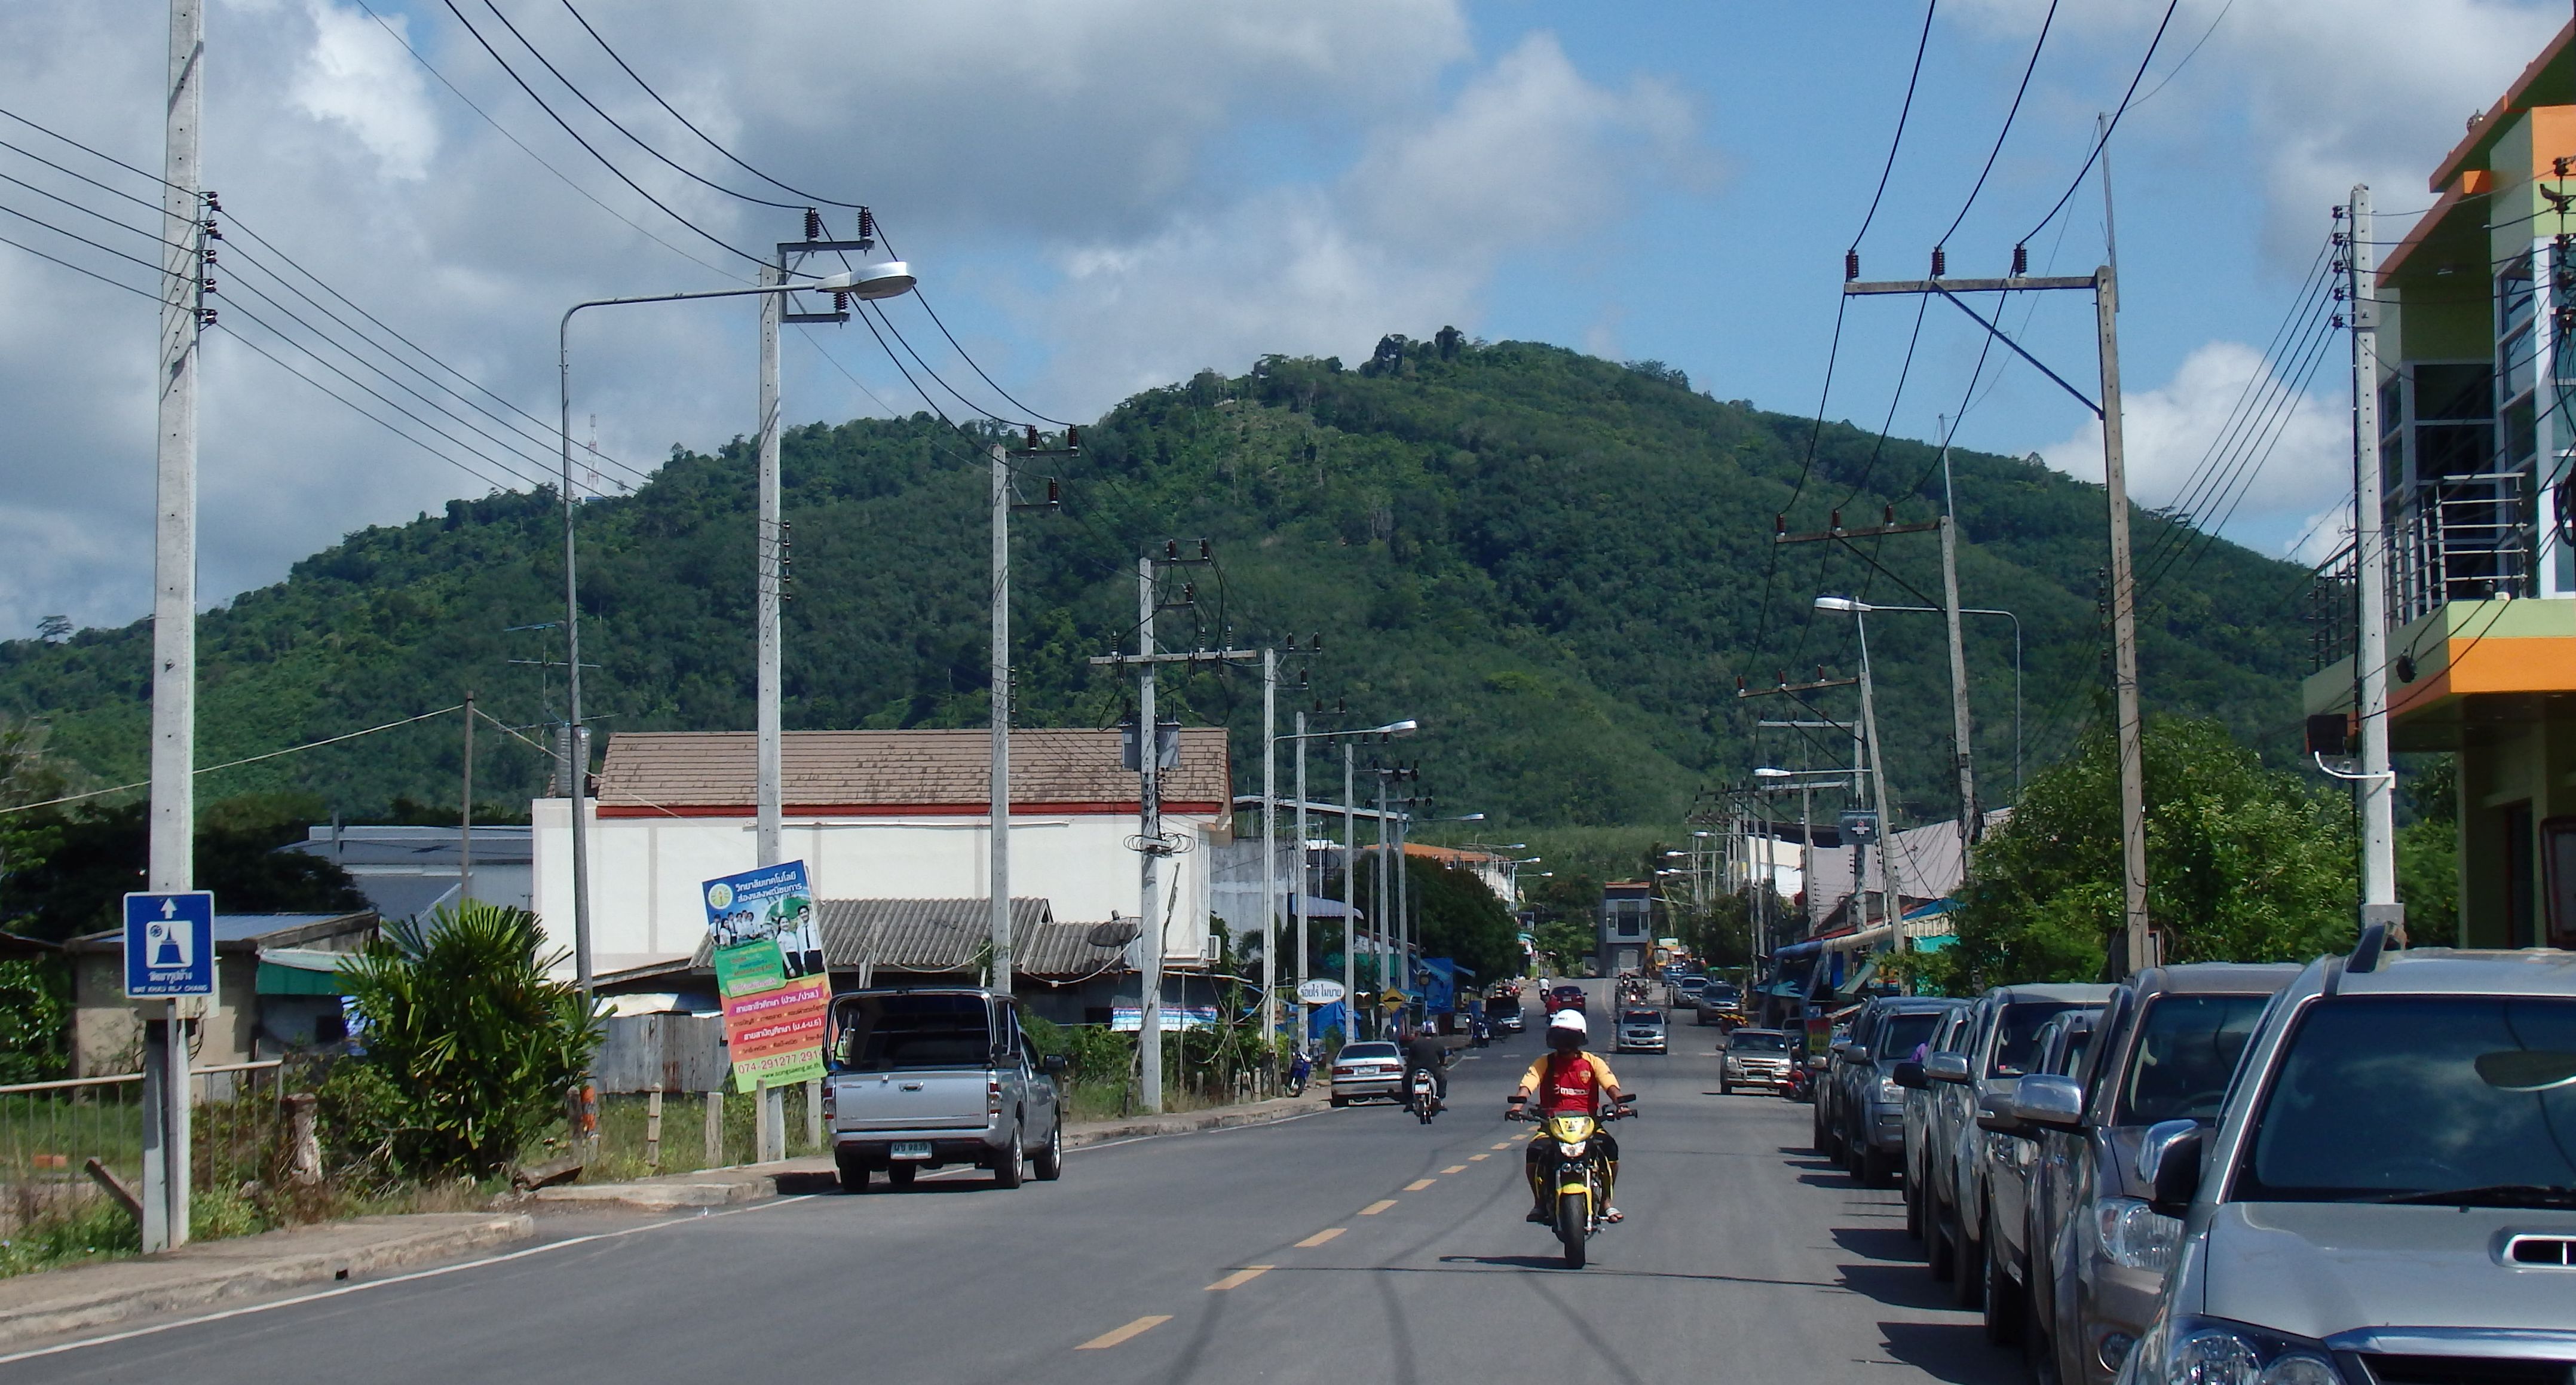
point(72, 1150)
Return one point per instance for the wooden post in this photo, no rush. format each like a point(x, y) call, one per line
point(653, 1129)
point(715, 1129)
point(305, 1137)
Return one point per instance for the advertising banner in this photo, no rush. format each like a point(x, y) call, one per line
point(768, 954)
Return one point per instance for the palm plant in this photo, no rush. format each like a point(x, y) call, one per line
point(479, 1045)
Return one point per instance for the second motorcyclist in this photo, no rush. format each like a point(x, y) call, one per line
point(1425, 1052)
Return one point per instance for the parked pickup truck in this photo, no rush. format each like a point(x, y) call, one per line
point(928, 1078)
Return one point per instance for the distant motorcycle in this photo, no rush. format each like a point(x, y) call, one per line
point(1424, 1098)
point(1798, 1084)
point(1299, 1070)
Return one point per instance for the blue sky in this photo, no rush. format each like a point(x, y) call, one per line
point(1110, 194)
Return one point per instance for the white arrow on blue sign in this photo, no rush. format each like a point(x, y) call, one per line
point(170, 944)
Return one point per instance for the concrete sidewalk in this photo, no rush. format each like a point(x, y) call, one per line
point(207, 1272)
point(815, 1173)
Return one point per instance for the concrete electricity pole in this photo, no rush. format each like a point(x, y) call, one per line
point(765, 584)
point(2377, 786)
point(171, 867)
point(1149, 810)
point(998, 892)
point(1298, 895)
point(1269, 847)
point(1962, 732)
point(1350, 892)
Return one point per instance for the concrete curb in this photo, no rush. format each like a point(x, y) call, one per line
point(752, 1182)
point(86, 1296)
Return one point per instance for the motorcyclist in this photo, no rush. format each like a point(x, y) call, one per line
point(1424, 1052)
point(1568, 1077)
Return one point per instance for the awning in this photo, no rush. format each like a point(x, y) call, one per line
point(299, 971)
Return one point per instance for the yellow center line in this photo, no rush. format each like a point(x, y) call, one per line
point(1473, 1158)
point(1455, 1168)
point(1504, 1145)
point(1114, 1336)
point(1240, 1278)
point(1320, 1237)
point(1419, 1184)
point(1376, 1207)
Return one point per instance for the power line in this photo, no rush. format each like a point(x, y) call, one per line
point(709, 236)
point(2109, 126)
point(76, 269)
point(1992, 154)
point(1921, 45)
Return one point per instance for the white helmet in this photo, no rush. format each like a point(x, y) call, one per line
point(1570, 1019)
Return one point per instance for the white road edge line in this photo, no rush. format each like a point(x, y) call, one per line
point(319, 1295)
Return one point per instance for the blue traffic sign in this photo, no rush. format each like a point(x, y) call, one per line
point(170, 944)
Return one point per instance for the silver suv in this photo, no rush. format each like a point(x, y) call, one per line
point(2390, 1191)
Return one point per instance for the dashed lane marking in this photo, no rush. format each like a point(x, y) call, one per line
point(1320, 1237)
point(1504, 1145)
point(1473, 1158)
point(1376, 1207)
point(1419, 1184)
point(1240, 1278)
point(1455, 1168)
point(1114, 1336)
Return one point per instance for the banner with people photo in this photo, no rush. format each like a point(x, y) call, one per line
point(768, 953)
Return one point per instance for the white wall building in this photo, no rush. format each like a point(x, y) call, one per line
point(879, 815)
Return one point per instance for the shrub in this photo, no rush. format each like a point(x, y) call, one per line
point(476, 1045)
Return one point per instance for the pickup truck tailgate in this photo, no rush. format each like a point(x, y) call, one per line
point(908, 1100)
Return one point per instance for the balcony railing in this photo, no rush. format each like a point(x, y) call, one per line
point(2464, 538)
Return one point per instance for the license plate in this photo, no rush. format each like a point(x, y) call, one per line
point(910, 1149)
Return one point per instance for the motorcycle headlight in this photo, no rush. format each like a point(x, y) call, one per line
point(1571, 1149)
point(2135, 1235)
point(2215, 1351)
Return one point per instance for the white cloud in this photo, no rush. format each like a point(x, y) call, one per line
point(356, 77)
point(2281, 456)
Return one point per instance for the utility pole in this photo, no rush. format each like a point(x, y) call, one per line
point(998, 890)
point(465, 814)
point(1350, 891)
point(1378, 900)
point(1269, 848)
point(1149, 816)
point(1963, 735)
point(1889, 908)
point(1299, 895)
point(2376, 786)
point(765, 587)
point(174, 615)
point(2139, 948)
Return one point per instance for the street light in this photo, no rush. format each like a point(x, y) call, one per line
point(1350, 835)
point(1859, 607)
point(1877, 758)
point(883, 279)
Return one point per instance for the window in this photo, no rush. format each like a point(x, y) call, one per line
point(1901, 1034)
point(2187, 1051)
point(882, 1033)
point(2018, 1042)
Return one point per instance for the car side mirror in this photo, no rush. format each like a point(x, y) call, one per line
point(1946, 1067)
point(1845, 1048)
point(1053, 1065)
point(1909, 1074)
point(1995, 1113)
point(2050, 1102)
point(2169, 1164)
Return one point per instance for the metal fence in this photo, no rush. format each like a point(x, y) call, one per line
point(67, 1148)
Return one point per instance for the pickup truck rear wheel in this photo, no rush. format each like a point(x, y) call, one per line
point(854, 1176)
point(1049, 1165)
point(900, 1175)
point(1006, 1169)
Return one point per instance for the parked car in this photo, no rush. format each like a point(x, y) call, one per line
point(1640, 1031)
point(927, 1078)
point(2389, 1192)
point(1867, 1124)
point(1756, 1058)
point(1971, 1083)
point(2017, 1169)
point(1926, 1158)
point(2164, 1049)
point(1365, 1070)
point(1719, 1002)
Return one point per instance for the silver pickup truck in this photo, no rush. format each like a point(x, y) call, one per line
point(928, 1078)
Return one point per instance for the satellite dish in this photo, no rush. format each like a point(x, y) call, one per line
point(1115, 933)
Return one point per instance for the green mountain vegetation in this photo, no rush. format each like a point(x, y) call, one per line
point(1560, 565)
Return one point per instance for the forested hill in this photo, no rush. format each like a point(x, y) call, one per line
point(1558, 564)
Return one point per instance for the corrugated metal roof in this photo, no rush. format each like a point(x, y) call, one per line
point(946, 935)
point(897, 769)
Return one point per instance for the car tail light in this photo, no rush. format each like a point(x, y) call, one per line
point(992, 1096)
point(830, 1105)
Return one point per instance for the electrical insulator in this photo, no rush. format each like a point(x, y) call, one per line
point(1054, 495)
point(1189, 593)
point(207, 283)
point(208, 254)
point(1316, 645)
point(1206, 554)
point(1837, 520)
point(1033, 437)
point(840, 301)
point(2021, 260)
point(1890, 515)
point(1072, 438)
point(213, 202)
point(1851, 265)
point(205, 317)
point(813, 224)
point(1739, 683)
point(213, 230)
point(1779, 524)
point(1940, 262)
point(1171, 550)
point(867, 224)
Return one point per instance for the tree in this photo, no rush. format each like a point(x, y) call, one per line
point(91, 857)
point(477, 1043)
point(1463, 921)
point(2245, 864)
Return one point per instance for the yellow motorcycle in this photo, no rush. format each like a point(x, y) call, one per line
point(1572, 1161)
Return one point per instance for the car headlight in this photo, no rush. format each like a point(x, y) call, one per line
point(1888, 1091)
point(2215, 1351)
point(2135, 1235)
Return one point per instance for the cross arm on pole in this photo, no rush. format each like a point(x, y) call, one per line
point(1187, 656)
point(1952, 288)
point(1793, 689)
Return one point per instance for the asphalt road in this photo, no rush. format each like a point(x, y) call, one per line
point(1356, 1245)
